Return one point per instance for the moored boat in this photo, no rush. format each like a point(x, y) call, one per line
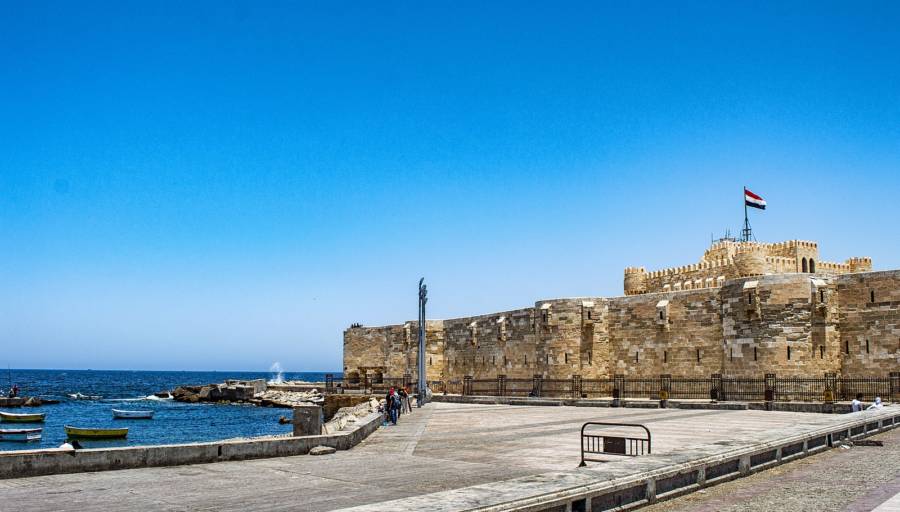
point(132, 415)
point(96, 433)
point(22, 418)
point(20, 434)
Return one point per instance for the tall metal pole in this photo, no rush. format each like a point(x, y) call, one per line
point(422, 382)
point(745, 233)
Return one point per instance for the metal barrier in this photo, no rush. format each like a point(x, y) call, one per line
point(613, 445)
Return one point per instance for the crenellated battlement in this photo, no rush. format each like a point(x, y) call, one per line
point(728, 259)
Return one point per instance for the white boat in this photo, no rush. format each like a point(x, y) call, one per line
point(132, 415)
point(20, 434)
point(12, 417)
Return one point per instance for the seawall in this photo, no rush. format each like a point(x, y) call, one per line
point(17, 464)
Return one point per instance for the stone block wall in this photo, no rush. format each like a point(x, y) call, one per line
point(869, 323)
point(796, 324)
point(768, 327)
point(677, 333)
point(392, 351)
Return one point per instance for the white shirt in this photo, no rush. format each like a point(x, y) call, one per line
point(856, 405)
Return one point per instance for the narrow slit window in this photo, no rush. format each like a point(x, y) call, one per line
point(662, 315)
point(665, 356)
point(867, 345)
point(872, 296)
point(589, 314)
point(789, 353)
point(750, 298)
point(754, 353)
point(821, 351)
point(732, 353)
point(590, 358)
point(821, 295)
point(847, 347)
point(526, 360)
point(698, 355)
point(429, 361)
point(636, 357)
point(566, 358)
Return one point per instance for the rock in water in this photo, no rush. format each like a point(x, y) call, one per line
point(322, 450)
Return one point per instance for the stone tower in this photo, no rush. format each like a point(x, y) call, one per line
point(635, 280)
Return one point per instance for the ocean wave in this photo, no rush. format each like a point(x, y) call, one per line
point(138, 399)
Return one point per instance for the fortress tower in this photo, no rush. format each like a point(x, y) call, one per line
point(731, 259)
point(750, 259)
point(635, 280)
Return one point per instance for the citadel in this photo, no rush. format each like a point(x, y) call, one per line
point(744, 310)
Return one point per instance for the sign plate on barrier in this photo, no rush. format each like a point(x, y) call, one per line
point(614, 445)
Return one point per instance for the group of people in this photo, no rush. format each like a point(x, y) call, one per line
point(13, 391)
point(857, 405)
point(396, 402)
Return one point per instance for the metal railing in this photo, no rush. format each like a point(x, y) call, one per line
point(768, 388)
point(613, 445)
point(716, 387)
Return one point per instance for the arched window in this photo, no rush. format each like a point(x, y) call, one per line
point(812, 265)
point(803, 265)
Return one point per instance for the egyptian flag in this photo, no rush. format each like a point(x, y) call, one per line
point(753, 200)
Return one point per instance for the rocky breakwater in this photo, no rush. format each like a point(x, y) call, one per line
point(251, 392)
point(26, 401)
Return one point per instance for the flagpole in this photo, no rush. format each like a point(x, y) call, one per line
point(746, 232)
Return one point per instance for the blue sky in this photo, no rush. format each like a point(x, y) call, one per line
point(218, 185)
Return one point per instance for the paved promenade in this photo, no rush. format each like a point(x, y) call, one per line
point(440, 448)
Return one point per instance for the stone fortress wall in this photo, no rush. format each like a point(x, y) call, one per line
point(759, 314)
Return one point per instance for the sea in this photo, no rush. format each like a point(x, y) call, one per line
point(173, 422)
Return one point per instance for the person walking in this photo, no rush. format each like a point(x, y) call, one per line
point(396, 406)
point(404, 401)
point(392, 405)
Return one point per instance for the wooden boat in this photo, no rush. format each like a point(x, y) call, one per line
point(97, 433)
point(20, 434)
point(22, 418)
point(132, 415)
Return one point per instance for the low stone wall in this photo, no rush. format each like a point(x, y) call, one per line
point(333, 403)
point(17, 464)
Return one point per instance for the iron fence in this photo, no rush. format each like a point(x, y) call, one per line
point(596, 388)
point(641, 388)
point(519, 387)
point(741, 390)
point(716, 387)
point(869, 387)
point(690, 388)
